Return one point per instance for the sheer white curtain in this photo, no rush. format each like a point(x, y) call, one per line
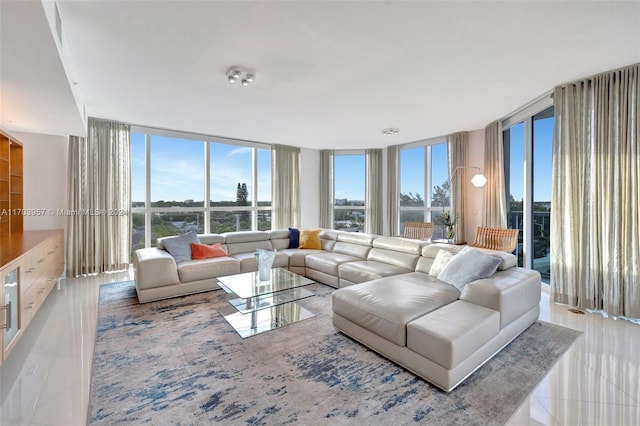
point(457, 148)
point(285, 186)
point(495, 208)
point(99, 182)
point(373, 197)
point(595, 221)
point(326, 189)
point(393, 191)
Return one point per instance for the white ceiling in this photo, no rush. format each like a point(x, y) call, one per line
point(333, 74)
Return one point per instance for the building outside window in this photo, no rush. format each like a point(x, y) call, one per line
point(181, 183)
point(424, 187)
point(349, 191)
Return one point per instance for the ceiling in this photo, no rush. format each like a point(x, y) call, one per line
point(328, 74)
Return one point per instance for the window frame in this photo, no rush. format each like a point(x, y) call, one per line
point(206, 209)
point(363, 208)
point(427, 209)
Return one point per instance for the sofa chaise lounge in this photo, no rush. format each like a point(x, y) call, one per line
point(432, 328)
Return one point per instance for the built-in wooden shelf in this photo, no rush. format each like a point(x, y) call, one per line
point(11, 186)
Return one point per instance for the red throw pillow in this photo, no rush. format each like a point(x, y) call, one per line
point(204, 251)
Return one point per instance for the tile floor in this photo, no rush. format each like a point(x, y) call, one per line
point(46, 379)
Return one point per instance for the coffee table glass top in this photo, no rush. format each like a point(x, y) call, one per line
point(249, 285)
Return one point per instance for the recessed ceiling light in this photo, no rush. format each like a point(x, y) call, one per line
point(238, 74)
point(390, 131)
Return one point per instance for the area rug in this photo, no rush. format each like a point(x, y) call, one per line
point(178, 362)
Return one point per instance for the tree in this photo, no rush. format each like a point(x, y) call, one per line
point(411, 200)
point(242, 195)
point(440, 195)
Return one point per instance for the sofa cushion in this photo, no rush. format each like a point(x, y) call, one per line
point(180, 246)
point(366, 270)
point(468, 266)
point(248, 262)
point(297, 256)
point(328, 262)
point(507, 260)
point(385, 306)
point(452, 333)
point(211, 239)
point(310, 239)
point(402, 245)
point(195, 270)
point(279, 238)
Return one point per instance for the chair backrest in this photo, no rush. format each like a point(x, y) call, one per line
point(496, 238)
point(418, 230)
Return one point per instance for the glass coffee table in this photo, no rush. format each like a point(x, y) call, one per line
point(264, 305)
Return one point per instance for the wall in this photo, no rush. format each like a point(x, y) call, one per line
point(474, 196)
point(45, 179)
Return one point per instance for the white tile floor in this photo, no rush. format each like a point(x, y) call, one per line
point(46, 379)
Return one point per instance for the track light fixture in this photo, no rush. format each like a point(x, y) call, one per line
point(238, 74)
point(390, 131)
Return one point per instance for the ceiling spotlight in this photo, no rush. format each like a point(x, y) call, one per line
point(390, 131)
point(236, 73)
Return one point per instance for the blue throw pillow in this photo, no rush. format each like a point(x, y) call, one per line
point(180, 247)
point(294, 237)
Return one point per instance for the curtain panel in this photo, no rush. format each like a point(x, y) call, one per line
point(457, 147)
point(495, 200)
point(393, 194)
point(285, 186)
point(99, 182)
point(326, 189)
point(595, 220)
point(373, 197)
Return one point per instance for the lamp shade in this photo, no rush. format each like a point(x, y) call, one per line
point(479, 180)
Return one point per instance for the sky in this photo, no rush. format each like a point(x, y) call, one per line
point(177, 168)
point(542, 145)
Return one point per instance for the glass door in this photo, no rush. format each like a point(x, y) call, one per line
point(10, 306)
point(527, 167)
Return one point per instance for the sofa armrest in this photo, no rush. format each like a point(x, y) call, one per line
point(153, 267)
point(512, 293)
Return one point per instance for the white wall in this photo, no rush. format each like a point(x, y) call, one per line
point(45, 179)
point(310, 188)
point(474, 196)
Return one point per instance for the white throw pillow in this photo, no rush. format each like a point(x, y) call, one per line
point(442, 258)
point(468, 266)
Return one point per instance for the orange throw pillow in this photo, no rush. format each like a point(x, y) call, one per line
point(310, 239)
point(204, 251)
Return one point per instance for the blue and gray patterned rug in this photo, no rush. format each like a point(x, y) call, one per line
point(178, 362)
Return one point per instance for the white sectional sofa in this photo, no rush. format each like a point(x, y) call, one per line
point(387, 298)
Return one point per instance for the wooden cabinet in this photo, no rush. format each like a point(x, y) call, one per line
point(30, 264)
point(11, 197)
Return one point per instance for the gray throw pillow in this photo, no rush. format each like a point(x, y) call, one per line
point(468, 266)
point(180, 247)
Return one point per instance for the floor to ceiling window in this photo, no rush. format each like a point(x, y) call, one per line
point(424, 186)
point(528, 140)
point(182, 182)
point(349, 191)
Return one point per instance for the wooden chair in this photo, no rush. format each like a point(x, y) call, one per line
point(418, 230)
point(496, 238)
